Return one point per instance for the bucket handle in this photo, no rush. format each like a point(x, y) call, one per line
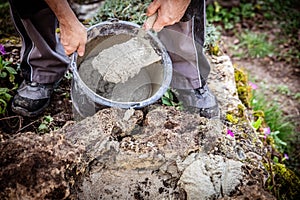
point(73, 65)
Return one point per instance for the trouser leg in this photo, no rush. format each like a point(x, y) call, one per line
point(184, 42)
point(43, 59)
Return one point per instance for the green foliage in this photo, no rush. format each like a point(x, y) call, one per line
point(228, 17)
point(4, 98)
point(257, 123)
point(6, 72)
point(286, 15)
point(212, 39)
point(133, 11)
point(168, 99)
point(283, 89)
point(285, 12)
point(297, 95)
point(68, 75)
point(279, 124)
point(254, 45)
point(279, 143)
point(46, 124)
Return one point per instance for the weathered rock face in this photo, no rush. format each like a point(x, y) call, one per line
point(168, 156)
point(164, 153)
point(154, 153)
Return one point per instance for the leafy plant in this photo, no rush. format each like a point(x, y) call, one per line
point(6, 72)
point(168, 99)
point(46, 124)
point(133, 11)
point(274, 118)
point(297, 95)
point(279, 143)
point(4, 98)
point(212, 39)
point(257, 124)
point(228, 17)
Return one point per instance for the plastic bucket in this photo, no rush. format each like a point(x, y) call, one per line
point(152, 82)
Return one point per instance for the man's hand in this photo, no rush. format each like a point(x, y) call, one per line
point(168, 12)
point(73, 34)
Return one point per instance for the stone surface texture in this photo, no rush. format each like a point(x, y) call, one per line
point(153, 153)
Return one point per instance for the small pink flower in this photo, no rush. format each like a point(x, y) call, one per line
point(253, 85)
point(2, 50)
point(267, 132)
point(230, 133)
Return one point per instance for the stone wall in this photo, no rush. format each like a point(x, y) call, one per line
point(153, 153)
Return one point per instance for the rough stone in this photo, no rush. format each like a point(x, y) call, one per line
point(155, 153)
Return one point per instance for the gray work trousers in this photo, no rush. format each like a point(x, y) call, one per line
point(43, 59)
point(184, 42)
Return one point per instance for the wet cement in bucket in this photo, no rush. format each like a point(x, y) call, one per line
point(116, 68)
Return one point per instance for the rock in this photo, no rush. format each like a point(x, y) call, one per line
point(170, 155)
point(210, 177)
point(155, 153)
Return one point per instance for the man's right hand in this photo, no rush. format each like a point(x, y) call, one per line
point(73, 37)
point(73, 34)
point(168, 12)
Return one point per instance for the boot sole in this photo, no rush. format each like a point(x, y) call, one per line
point(26, 113)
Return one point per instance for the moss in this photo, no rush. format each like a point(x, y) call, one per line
point(231, 118)
point(243, 89)
point(13, 40)
point(285, 183)
point(259, 113)
point(241, 111)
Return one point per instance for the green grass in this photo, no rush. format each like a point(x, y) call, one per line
point(284, 15)
point(279, 124)
point(253, 45)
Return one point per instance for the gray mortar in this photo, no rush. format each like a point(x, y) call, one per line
point(136, 84)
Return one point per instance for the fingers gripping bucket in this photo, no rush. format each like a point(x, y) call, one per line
point(90, 92)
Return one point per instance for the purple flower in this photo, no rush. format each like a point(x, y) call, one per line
point(230, 133)
point(267, 132)
point(286, 156)
point(2, 50)
point(253, 85)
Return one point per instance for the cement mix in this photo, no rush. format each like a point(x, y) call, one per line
point(116, 68)
point(122, 61)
